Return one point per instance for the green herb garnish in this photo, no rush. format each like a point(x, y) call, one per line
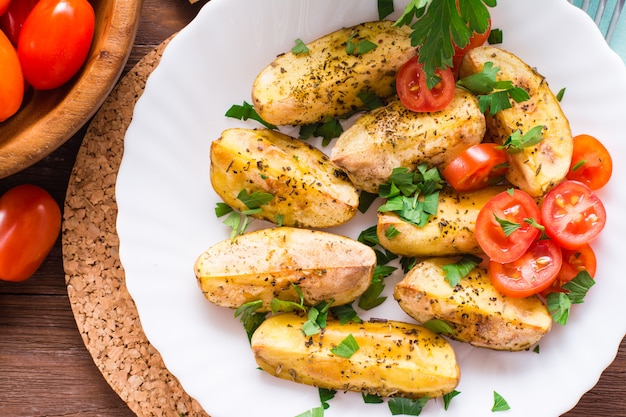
point(300, 48)
point(406, 406)
point(560, 303)
point(346, 348)
point(249, 317)
point(459, 270)
point(499, 403)
point(447, 398)
point(517, 142)
point(246, 111)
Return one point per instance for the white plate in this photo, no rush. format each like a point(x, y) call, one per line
point(166, 208)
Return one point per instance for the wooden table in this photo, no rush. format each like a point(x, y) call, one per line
point(45, 369)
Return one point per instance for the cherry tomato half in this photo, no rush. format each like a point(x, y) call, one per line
point(414, 93)
point(55, 40)
point(591, 162)
point(11, 80)
point(574, 262)
point(532, 273)
point(514, 207)
point(30, 222)
point(476, 167)
point(12, 20)
point(572, 214)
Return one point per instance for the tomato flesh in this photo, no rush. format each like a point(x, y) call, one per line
point(30, 222)
point(54, 41)
point(591, 162)
point(532, 273)
point(476, 167)
point(414, 93)
point(514, 206)
point(572, 214)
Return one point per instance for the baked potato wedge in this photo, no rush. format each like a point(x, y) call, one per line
point(267, 263)
point(450, 232)
point(393, 136)
point(393, 358)
point(308, 189)
point(535, 169)
point(325, 82)
point(474, 309)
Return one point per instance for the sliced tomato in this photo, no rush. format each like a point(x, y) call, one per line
point(574, 262)
point(572, 214)
point(476, 167)
point(514, 207)
point(415, 94)
point(591, 162)
point(535, 271)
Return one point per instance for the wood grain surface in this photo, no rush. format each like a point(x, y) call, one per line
point(45, 369)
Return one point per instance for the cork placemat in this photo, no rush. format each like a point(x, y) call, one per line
point(105, 312)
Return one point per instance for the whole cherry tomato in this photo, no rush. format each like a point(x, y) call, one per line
point(414, 92)
point(30, 222)
point(11, 80)
point(12, 20)
point(4, 5)
point(55, 40)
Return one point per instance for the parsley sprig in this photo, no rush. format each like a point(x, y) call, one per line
point(414, 196)
point(493, 95)
point(239, 222)
point(437, 25)
point(246, 111)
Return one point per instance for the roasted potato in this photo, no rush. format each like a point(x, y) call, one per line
point(538, 168)
point(393, 136)
point(393, 358)
point(475, 310)
point(308, 189)
point(450, 232)
point(266, 263)
point(326, 81)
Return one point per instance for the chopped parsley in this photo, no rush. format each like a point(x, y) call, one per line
point(328, 129)
point(385, 8)
point(447, 398)
point(560, 303)
point(455, 272)
point(413, 196)
point(346, 348)
point(372, 295)
point(239, 222)
point(246, 111)
point(493, 95)
point(406, 406)
point(499, 403)
point(517, 141)
point(372, 398)
point(300, 48)
point(438, 326)
point(325, 396)
point(249, 317)
point(314, 412)
point(359, 48)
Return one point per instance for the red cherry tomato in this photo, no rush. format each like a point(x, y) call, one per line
point(476, 167)
point(414, 93)
point(11, 80)
point(575, 261)
point(591, 162)
point(4, 5)
point(12, 20)
point(514, 207)
point(30, 222)
point(532, 273)
point(477, 39)
point(572, 214)
point(55, 40)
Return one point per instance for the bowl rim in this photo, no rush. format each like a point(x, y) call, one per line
point(22, 146)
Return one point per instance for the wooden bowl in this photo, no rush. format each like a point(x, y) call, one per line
point(47, 119)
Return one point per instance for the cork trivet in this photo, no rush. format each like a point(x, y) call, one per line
point(105, 313)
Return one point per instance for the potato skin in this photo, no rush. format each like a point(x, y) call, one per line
point(393, 358)
point(308, 189)
point(539, 168)
point(264, 264)
point(393, 136)
point(477, 312)
point(306, 88)
point(450, 232)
